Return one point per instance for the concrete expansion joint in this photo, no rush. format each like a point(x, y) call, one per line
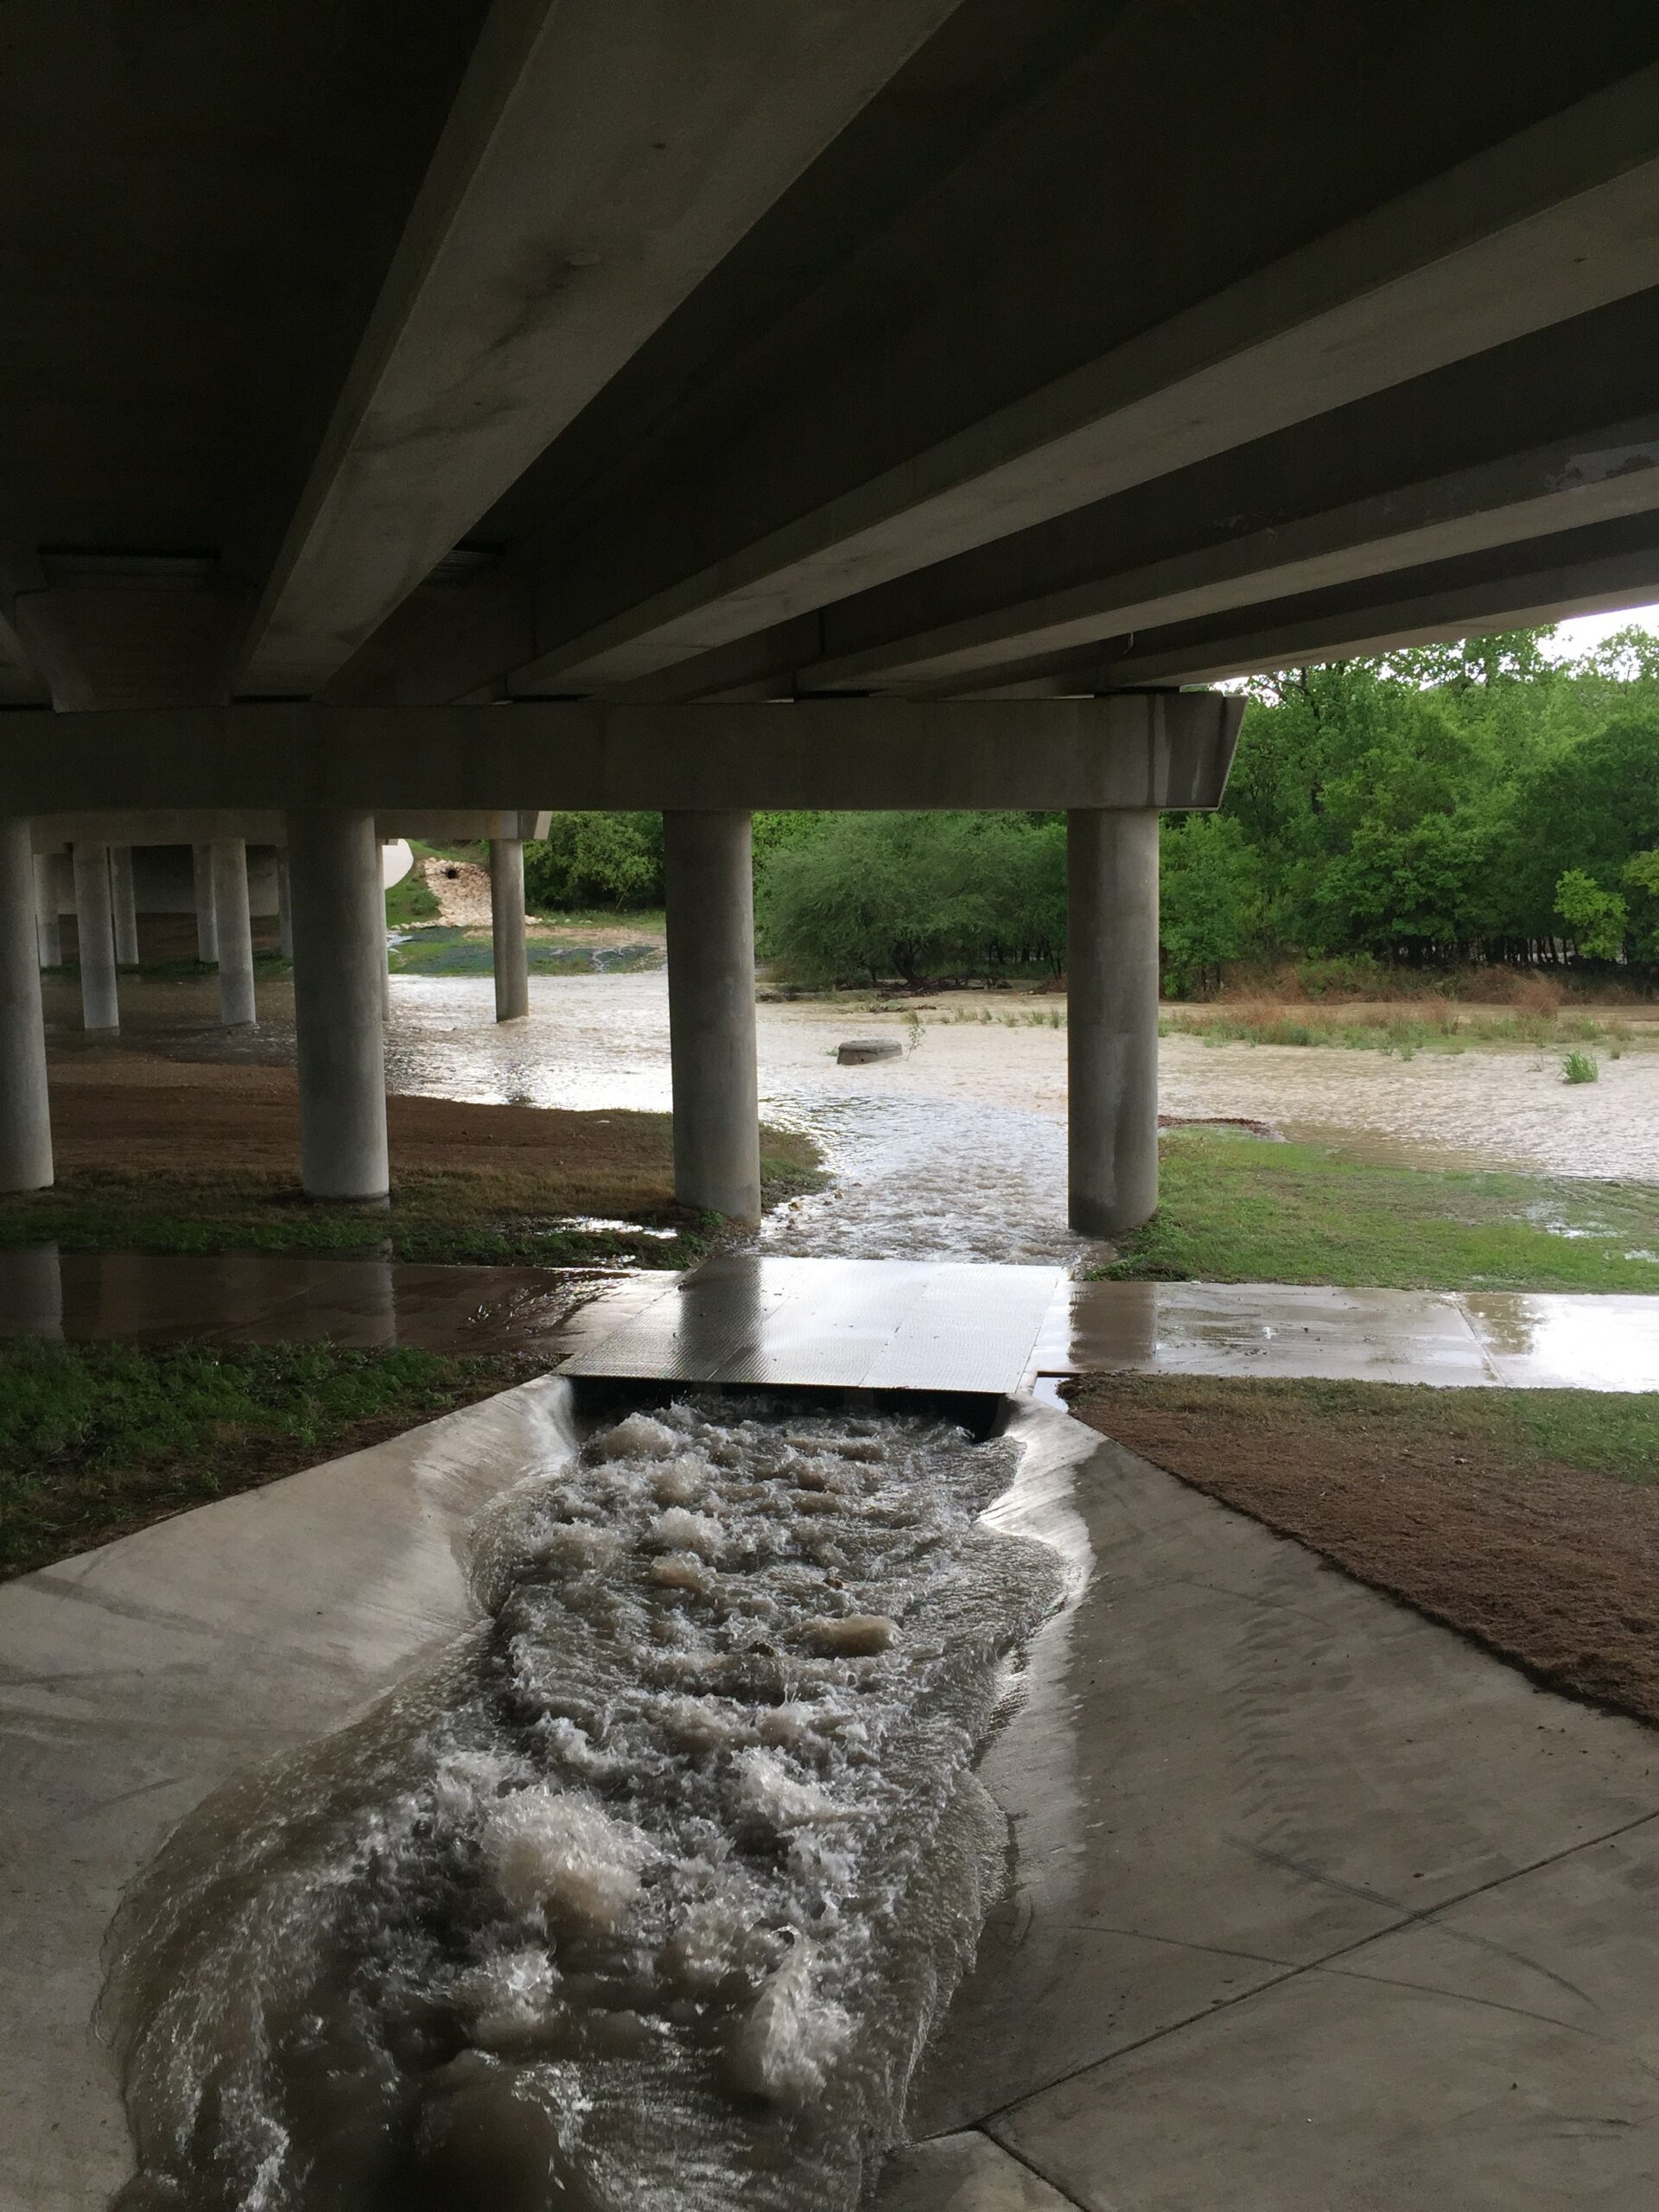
point(991, 2123)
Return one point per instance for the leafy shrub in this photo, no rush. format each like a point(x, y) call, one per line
point(1580, 1067)
point(596, 860)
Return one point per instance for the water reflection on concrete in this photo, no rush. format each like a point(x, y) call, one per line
point(266, 1298)
point(1519, 1339)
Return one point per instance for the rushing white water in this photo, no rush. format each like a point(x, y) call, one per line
point(648, 1895)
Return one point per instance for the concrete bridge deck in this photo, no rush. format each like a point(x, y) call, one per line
point(1313, 1903)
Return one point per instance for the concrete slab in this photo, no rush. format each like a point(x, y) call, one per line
point(1234, 1765)
point(1500, 2054)
point(136, 1678)
point(1465, 1339)
point(836, 1324)
point(1535, 1341)
point(963, 2173)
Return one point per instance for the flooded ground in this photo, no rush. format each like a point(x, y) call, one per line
point(646, 1900)
point(957, 1148)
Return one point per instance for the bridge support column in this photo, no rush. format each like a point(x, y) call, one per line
point(340, 966)
point(25, 1124)
point(123, 906)
point(285, 907)
point(510, 960)
point(201, 865)
point(234, 929)
point(1112, 1017)
point(49, 933)
point(100, 1008)
point(709, 877)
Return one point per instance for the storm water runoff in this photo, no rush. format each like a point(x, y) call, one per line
point(645, 1898)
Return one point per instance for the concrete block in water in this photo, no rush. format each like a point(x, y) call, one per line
point(857, 1050)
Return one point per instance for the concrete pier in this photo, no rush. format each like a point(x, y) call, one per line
point(709, 877)
point(48, 934)
point(100, 1008)
point(285, 908)
point(510, 960)
point(123, 906)
point(235, 932)
point(25, 1124)
point(340, 966)
point(1112, 1017)
point(201, 864)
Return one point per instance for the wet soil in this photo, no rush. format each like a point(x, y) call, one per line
point(1479, 1512)
point(169, 1114)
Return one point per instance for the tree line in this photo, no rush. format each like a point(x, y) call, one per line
point(1480, 801)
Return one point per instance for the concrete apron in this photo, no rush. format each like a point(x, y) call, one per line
point(1312, 1903)
point(136, 1679)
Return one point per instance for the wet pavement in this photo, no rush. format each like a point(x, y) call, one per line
point(288, 1298)
point(870, 1324)
point(1518, 1339)
point(1314, 1905)
point(744, 1317)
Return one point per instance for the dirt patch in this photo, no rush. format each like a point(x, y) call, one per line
point(1478, 1509)
point(196, 1119)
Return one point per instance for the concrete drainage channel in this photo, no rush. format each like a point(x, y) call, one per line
point(647, 1891)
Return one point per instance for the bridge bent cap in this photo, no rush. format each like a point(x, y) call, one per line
point(1135, 749)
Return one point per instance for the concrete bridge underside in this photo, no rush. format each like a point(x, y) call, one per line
point(497, 404)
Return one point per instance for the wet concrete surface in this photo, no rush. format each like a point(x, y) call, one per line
point(1519, 1339)
point(135, 1679)
point(868, 1324)
point(289, 1298)
point(965, 1327)
point(1312, 1903)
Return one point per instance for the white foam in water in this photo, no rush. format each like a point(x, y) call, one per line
point(648, 1896)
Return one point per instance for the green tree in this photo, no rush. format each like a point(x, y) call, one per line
point(1209, 899)
point(596, 860)
point(1596, 919)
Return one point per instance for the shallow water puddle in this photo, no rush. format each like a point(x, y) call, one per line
point(649, 1895)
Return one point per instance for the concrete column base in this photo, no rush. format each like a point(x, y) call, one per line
point(340, 970)
point(25, 1120)
point(511, 958)
point(100, 1007)
point(709, 877)
point(1112, 1018)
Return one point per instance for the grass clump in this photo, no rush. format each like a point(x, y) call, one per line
point(99, 1439)
point(410, 900)
point(445, 949)
point(1581, 1067)
point(1236, 1210)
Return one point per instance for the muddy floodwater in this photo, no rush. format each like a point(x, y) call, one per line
point(645, 1901)
point(957, 1149)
